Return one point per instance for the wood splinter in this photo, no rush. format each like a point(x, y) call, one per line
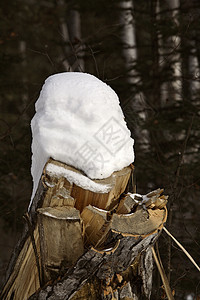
point(84, 238)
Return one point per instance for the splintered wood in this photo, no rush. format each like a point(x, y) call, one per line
point(140, 222)
point(85, 240)
point(114, 185)
point(24, 278)
point(96, 225)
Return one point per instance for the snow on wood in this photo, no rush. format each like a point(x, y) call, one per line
point(101, 193)
point(79, 121)
point(75, 177)
point(78, 237)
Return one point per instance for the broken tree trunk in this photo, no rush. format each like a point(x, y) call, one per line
point(85, 239)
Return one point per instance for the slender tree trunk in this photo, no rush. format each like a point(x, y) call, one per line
point(65, 48)
point(72, 55)
point(155, 70)
point(176, 84)
point(153, 91)
point(74, 29)
point(22, 52)
point(170, 49)
point(128, 39)
point(190, 54)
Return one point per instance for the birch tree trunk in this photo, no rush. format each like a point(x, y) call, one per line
point(153, 91)
point(128, 39)
point(72, 50)
point(74, 29)
point(170, 50)
point(190, 56)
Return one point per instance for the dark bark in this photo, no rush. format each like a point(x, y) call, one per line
point(121, 267)
point(101, 265)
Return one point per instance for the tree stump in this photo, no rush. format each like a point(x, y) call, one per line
point(85, 239)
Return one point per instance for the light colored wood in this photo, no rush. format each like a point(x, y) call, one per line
point(25, 271)
point(98, 222)
point(155, 199)
point(96, 225)
point(62, 198)
point(58, 191)
point(131, 202)
point(112, 227)
point(115, 184)
point(126, 205)
point(60, 231)
point(140, 223)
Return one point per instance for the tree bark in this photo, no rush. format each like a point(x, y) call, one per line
point(72, 251)
point(104, 267)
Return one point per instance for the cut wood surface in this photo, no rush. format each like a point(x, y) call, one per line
point(87, 239)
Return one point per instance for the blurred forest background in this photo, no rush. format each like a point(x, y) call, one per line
point(148, 51)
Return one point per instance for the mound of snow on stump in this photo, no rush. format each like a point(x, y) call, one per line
point(79, 121)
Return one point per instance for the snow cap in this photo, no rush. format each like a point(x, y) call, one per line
point(79, 121)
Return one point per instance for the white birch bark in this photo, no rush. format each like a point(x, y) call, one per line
point(65, 39)
point(72, 50)
point(74, 29)
point(174, 5)
point(128, 38)
point(172, 90)
point(194, 72)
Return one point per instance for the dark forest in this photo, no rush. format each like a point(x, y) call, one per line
point(148, 51)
